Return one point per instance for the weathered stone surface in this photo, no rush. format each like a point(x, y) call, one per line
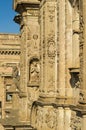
point(43, 69)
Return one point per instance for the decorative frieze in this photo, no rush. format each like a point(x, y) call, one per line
point(9, 52)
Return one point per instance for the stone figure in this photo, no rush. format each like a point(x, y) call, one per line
point(34, 71)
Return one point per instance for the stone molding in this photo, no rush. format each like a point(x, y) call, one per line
point(9, 52)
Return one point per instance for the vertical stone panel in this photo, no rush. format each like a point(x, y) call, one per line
point(67, 118)
point(60, 118)
point(49, 48)
point(62, 47)
point(68, 48)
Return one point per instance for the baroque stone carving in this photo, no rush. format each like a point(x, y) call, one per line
point(51, 10)
point(51, 46)
point(76, 123)
point(34, 71)
point(82, 97)
point(51, 118)
point(39, 118)
point(35, 38)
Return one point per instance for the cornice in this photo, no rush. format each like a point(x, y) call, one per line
point(9, 36)
point(21, 5)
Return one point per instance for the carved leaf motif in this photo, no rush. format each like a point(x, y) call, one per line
point(51, 118)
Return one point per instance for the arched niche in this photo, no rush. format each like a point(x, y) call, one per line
point(34, 71)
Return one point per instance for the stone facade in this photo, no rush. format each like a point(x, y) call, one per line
point(43, 69)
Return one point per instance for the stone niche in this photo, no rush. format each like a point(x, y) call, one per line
point(34, 72)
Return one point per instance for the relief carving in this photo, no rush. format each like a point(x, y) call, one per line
point(51, 118)
point(76, 122)
point(35, 38)
point(39, 119)
point(51, 10)
point(51, 46)
point(82, 97)
point(34, 71)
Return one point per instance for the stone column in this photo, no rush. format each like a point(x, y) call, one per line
point(23, 69)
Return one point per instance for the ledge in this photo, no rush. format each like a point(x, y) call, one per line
point(17, 4)
point(74, 70)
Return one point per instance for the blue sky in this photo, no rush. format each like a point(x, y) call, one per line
point(7, 25)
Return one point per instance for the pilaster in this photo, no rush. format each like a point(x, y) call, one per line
point(49, 49)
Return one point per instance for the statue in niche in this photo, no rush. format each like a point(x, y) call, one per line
point(34, 71)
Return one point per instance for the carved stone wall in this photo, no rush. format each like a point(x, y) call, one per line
point(49, 50)
point(42, 70)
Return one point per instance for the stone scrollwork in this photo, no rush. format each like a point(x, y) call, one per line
point(51, 118)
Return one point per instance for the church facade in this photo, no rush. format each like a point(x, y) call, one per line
point(43, 69)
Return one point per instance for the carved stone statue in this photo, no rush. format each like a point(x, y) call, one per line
point(34, 71)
